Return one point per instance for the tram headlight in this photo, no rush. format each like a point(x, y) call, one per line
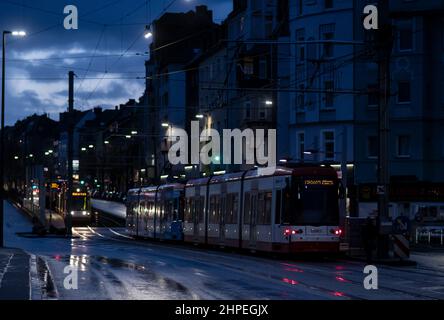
point(84, 213)
point(72, 213)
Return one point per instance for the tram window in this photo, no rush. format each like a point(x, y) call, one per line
point(223, 208)
point(202, 210)
point(160, 211)
point(214, 209)
point(264, 208)
point(247, 208)
point(196, 208)
point(190, 210)
point(151, 213)
point(232, 212)
point(267, 207)
point(260, 208)
point(142, 208)
point(278, 207)
point(232, 208)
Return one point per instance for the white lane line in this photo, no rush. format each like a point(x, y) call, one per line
point(119, 234)
point(93, 231)
point(79, 234)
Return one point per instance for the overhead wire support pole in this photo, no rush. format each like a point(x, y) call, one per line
point(68, 217)
point(384, 44)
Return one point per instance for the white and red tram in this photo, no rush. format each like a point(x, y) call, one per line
point(289, 210)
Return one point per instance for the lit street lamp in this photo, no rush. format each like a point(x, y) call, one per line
point(2, 137)
point(148, 32)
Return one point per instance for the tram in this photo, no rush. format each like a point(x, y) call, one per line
point(80, 209)
point(287, 210)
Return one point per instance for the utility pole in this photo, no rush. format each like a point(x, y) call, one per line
point(68, 217)
point(2, 143)
point(384, 43)
point(344, 178)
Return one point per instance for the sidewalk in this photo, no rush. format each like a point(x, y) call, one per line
point(14, 275)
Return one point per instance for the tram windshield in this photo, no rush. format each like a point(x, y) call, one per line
point(79, 202)
point(311, 202)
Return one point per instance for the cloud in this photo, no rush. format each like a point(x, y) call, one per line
point(38, 64)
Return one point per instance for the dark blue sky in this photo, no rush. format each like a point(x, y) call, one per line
point(108, 49)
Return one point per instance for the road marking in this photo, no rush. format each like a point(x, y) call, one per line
point(81, 235)
point(119, 234)
point(100, 235)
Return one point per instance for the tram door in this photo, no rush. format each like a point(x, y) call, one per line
point(253, 218)
point(222, 214)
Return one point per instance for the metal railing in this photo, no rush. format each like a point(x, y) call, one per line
point(430, 235)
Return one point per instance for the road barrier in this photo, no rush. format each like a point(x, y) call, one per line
point(401, 246)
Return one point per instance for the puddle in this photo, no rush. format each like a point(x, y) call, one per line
point(44, 276)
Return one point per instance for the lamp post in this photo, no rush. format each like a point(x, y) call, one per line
point(2, 137)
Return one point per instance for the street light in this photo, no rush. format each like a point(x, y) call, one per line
point(148, 33)
point(200, 116)
point(17, 33)
point(2, 137)
point(165, 125)
point(134, 133)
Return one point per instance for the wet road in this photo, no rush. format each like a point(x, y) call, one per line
point(112, 266)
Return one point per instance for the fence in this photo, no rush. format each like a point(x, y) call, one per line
point(430, 235)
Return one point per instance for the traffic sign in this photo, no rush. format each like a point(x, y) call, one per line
point(401, 225)
point(380, 190)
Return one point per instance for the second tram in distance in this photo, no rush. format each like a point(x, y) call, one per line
point(292, 209)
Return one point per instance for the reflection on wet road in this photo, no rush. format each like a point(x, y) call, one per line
point(112, 266)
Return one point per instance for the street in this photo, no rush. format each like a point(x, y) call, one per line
point(112, 266)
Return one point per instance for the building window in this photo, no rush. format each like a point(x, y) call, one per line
point(247, 110)
point(328, 138)
point(328, 4)
point(301, 145)
point(300, 7)
point(300, 47)
point(165, 100)
point(404, 92)
point(328, 94)
point(262, 114)
point(403, 146)
point(248, 66)
point(263, 69)
point(242, 24)
point(300, 100)
point(373, 95)
point(268, 26)
point(372, 147)
point(327, 33)
point(405, 35)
